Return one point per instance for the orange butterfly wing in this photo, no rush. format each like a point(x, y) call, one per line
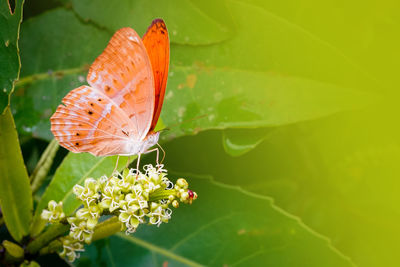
point(123, 73)
point(113, 116)
point(89, 122)
point(156, 41)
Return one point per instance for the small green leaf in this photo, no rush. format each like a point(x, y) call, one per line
point(238, 142)
point(226, 226)
point(74, 169)
point(15, 190)
point(9, 54)
point(189, 22)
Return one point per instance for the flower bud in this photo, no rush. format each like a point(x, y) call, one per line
point(105, 203)
point(83, 214)
point(153, 206)
point(184, 196)
point(54, 213)
point(134, 222)
point(182, 183)
point(45, 214)
point(175, 203)
point(78, 190)
point(91, 183)
point(87, 238)
point(91, 223)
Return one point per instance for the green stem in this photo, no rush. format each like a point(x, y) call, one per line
point(107, 228)
point(161, 194)
point(42, 240)
point(42, 168)
point(54, 246)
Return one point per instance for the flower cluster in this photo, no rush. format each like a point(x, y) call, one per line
point(134, 197)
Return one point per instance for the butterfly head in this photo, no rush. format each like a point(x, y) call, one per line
point(151, 139)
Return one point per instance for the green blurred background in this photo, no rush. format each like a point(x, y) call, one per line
point(296, 101)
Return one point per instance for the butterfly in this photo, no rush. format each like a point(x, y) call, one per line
point(117, 113)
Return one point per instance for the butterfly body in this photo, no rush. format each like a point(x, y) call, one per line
point(117, 113)
point(134, 147)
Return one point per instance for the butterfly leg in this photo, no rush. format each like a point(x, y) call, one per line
point(162, 160)
point(128, 162)
point(116, 166)
point(137, 164)
point(152, 150)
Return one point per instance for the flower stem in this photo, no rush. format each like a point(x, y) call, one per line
point(107, 228)
point(42, 168)
point(161, 194)
point(54, 246)
point(42, 240)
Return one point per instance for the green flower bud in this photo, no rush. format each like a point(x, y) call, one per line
point(87, 238)
point(130, 197)
point(134, 222)
point(153, 206)
point(133, 208)
point(184, 196)
point(46, 215)
point(105, 204)
point(91, 223)
point(83, 214)
point(54, 213)
point(70, 248)
point(95, 210)
point(175, 203)
point(123, 203)
point(78, 190)
point(91, 184)
point(182, 183)
point(153, 220)
point(123, 217)
point(145, 195)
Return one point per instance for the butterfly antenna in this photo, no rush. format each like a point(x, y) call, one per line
point(185, 121)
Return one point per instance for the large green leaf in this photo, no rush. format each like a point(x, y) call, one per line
point(364, 30)
point(236, 98)
point(343, 166)
point(189, 22)
point(55, 50)
point(74, 169)
point(15, 190)
point(216, 81)
point(266, 42)
point(9, 57)
point(226, 226)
